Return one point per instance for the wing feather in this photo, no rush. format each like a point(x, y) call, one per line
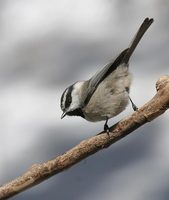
point(123, 57)
point(101, 75)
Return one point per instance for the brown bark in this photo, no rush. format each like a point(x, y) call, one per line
point(40, 172)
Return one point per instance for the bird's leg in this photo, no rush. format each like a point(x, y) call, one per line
point(135, 108)
point(132, 103)
point(106, 127)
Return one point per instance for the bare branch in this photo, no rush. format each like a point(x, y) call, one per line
point(40, 172)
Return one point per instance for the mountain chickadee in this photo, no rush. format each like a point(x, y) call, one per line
point(106, 94)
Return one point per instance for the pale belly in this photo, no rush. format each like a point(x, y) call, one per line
point(107, 107)
point(110, 98)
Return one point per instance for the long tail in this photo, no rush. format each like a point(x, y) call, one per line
point(143, 28)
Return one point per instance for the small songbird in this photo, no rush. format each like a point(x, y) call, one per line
point(106, 94)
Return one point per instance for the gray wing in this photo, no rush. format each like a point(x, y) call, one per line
point(122, 58)
point(101, 75)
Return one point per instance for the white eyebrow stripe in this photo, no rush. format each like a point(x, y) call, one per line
point(64, 99)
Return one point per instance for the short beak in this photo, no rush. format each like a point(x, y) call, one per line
point(63, 115)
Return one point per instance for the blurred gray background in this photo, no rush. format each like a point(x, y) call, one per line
point(46, 45)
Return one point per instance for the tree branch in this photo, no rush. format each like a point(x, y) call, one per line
point(40, 172)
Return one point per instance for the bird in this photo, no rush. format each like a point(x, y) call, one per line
point(106, 93)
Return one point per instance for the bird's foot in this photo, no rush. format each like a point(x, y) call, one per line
point(135, 108)
point(106, 128)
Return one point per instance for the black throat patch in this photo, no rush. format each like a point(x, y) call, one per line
point(76, 112)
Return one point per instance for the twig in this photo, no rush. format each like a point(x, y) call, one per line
point(40, 172)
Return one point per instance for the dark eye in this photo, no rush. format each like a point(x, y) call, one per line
point(69, 100)
point(68, 97)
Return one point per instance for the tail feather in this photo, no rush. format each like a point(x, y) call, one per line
point(143, 28)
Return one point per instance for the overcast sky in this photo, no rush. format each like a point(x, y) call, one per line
point(47, 45)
